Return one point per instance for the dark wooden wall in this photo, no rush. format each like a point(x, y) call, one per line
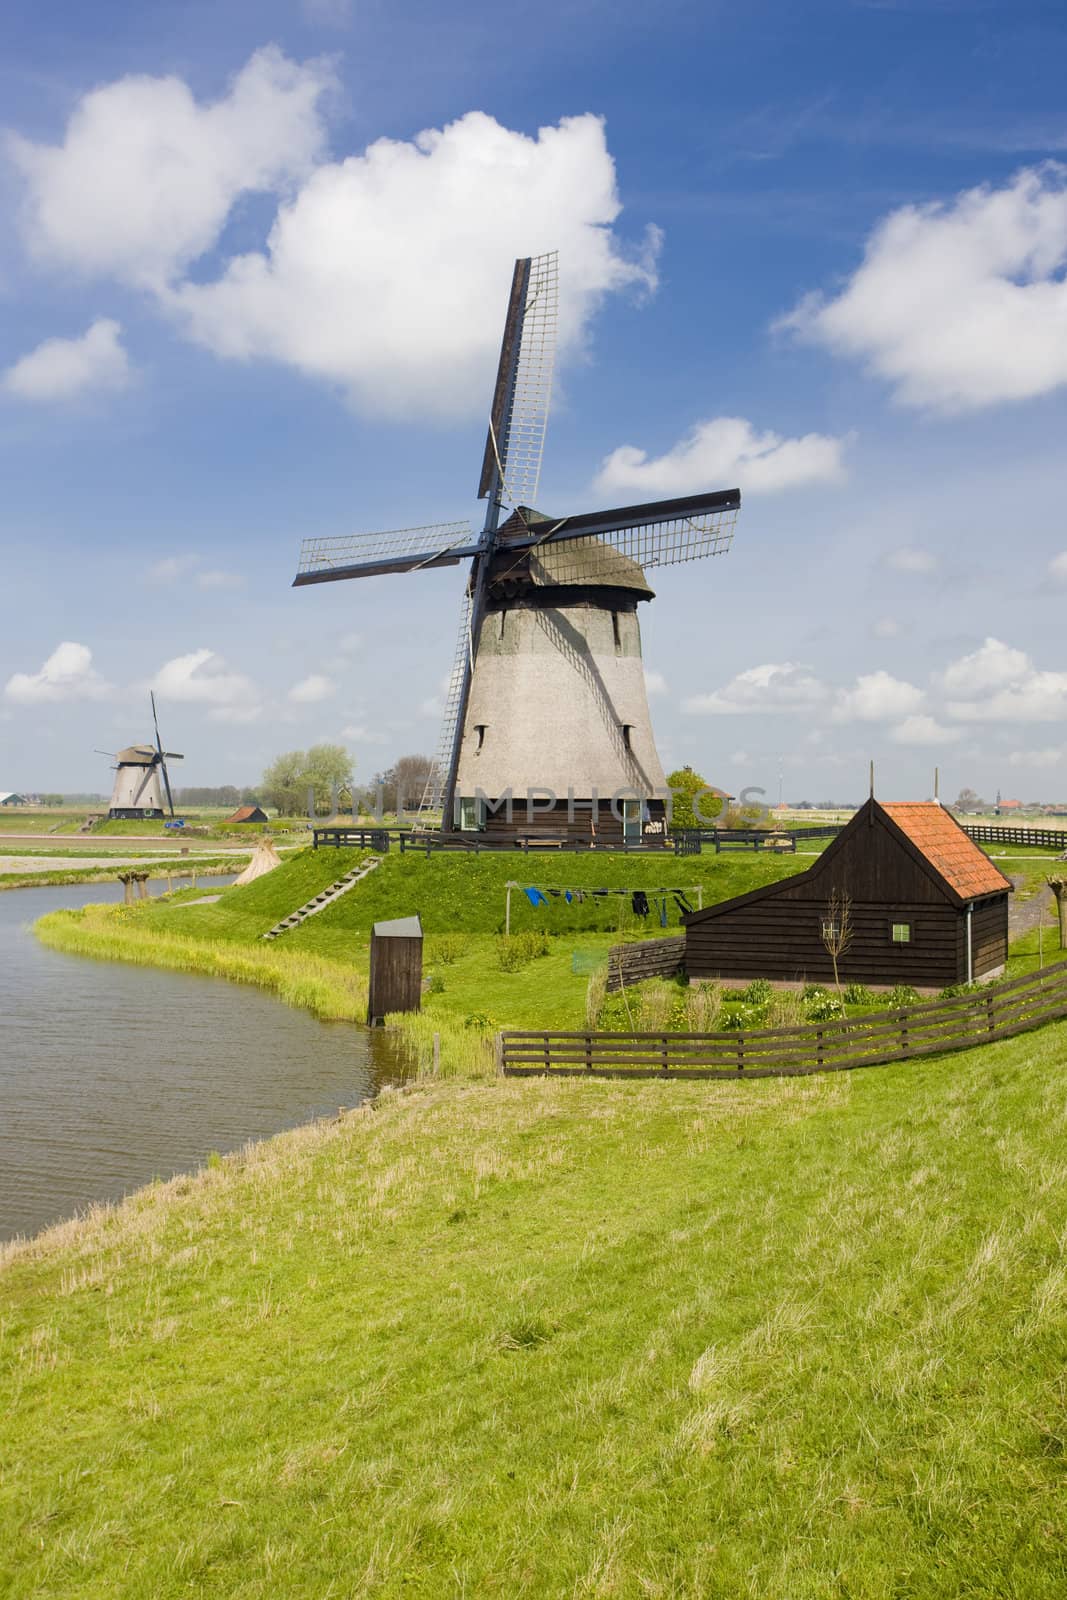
point(554, 824)
point(778, 934)
point(395, 976)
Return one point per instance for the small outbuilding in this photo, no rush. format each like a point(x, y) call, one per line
point(249, 814)
point(7, 798)
point(395, 968)
point(927, 907)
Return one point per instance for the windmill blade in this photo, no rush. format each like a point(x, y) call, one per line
point(660, 533)
point(365, 555)
point(162, 757)
point(437, 779)
point(511, 465)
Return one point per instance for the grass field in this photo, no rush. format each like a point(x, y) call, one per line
point(784, 1341)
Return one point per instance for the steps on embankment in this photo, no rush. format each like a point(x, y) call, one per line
point(325, 898)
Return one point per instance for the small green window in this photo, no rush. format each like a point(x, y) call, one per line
point(900, 932)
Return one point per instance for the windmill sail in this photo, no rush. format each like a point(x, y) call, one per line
point(511, 465)
point(436, 782)
point(660, 533)
point(365, 555)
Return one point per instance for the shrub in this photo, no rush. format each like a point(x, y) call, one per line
point(902, 995)
point(758, 992)
point(858, 994)
point(435, 984)
point(703, 1007)
point(520, 949)
point(741, 1017)
point(785, 1009)
point(444, 948)
point(813, 990)
point(824, 1008)
point(655, 999)
point(955, 989)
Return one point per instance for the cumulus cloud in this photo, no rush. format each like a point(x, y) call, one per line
point(774, 686)
point(61, 369)
point(720, 453)
point(876, 697)
point(203, 677)
point(923, 730)
point(146, 176)
point(998, 683)
point(170, 568)
point(310, 690)
point(957, 305)
point(655, 683)
point(1050, 756)
point(344, 291)
point(1058, 567)
point(68, 674)
point(907, 559)
point(359, 733)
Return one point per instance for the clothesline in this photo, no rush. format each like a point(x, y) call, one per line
point(639, 897)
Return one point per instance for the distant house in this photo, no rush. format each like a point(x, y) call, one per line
point(928, 908)
point(8, 798)
point(1009, 805)
point(249, 814)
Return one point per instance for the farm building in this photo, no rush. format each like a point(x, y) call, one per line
point(7, 798)
point(249, 814)
point(927, 908)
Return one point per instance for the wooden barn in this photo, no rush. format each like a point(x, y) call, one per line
point(927, 908)
point(249, 814)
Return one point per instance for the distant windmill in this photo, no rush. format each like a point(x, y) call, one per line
point(138, 792)
point(547, 688)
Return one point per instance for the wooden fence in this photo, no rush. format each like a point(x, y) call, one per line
point(648, 958)
point(935, 1028)
point(989, 833)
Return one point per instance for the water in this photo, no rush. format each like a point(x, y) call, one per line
point(112, 1075)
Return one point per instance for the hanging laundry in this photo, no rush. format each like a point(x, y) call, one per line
point(662, 904)
point(639, 901)
point(568, 896)
point(682, 902)
point(579, 895)
point(555, 893)
point(535, 897)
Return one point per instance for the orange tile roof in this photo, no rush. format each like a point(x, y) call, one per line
point(967, 870)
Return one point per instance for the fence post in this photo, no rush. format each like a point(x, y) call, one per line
point(548, 1059)
point(740, 1051)
point(818, 1049)
point(499, 1047)
point(589, 1052)
point(663, 1051)
point(990, 1015)
point(903, 1033)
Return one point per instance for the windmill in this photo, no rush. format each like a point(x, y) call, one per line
point(547, 690)
point(137, 793)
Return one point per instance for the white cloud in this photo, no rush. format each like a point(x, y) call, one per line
point(886, 628)
point(1050, 756)
point(359, 733)
point(60, 369)
point(145, 177)
point(214, 578)
point(958, 305)
point(719, 454)
point(170, 568)
point(203, 678)
point(68, 674)
point(876, 697)
point(345, 290)
point(998, 683)
point(775, 686)
point(908, 559)
point(923, 730)
point(310, 690)
point(1058, 567)
point(655, 683)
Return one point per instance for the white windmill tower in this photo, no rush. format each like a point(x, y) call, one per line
point(547, 689)
point(138, 792)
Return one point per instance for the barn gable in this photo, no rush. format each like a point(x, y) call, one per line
point(928, 908)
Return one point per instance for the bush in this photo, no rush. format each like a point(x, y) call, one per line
point(758, 992)
point(703, 1006)
point(520, 949)
point(785, 1010)
point(954, 990)
point(824, 1007)
point(858, 994)
point(902, 995)
point(435, 984)
point(741, 1017)
point(444, 948)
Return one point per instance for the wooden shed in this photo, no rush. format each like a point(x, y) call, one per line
point(395, 968)
point(249, 814)
point(927, 907)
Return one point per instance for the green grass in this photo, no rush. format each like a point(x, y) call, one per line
point(781, 1341)
point(206, 868)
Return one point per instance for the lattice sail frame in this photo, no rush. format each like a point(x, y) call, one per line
point(655, 544)
point(521, 445)
point(408, 547)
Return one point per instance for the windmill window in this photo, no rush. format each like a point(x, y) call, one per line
point(479, 728)
point(503, 619)
point(616, 634)
point(627, 731)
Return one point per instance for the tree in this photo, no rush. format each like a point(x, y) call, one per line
point(325, 769)
point(837, 929)
point(967, 800)
point(403, 782)
point(689, 787)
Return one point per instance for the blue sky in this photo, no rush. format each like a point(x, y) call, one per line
point(818, 250)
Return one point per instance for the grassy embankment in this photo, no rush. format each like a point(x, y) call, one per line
point(695, 1342)
point(323, 964)
point(208, 867)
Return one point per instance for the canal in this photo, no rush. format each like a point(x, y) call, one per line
point(113, 1075)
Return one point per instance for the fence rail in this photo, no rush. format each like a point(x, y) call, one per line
point(989, 833)
point(932, 1028)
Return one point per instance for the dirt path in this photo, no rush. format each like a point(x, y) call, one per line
point(1026, 915)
